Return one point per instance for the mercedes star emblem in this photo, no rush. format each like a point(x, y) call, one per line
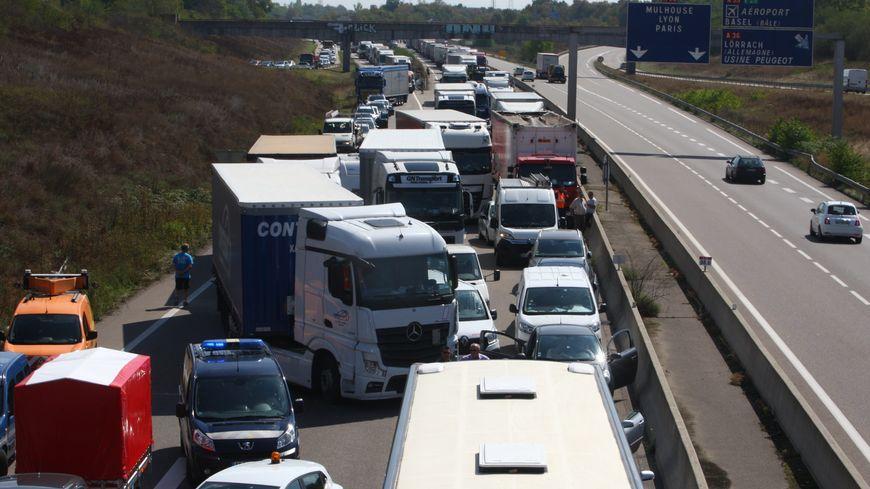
point(414, 331)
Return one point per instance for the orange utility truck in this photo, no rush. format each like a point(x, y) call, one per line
point(54, 316)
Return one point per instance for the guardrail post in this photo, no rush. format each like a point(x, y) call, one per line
point(839, 55)
point(572, 76)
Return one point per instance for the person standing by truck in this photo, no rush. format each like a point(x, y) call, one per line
point(578, 213)
point(182, 262)
point(591, 204)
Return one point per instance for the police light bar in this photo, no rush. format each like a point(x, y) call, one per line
point(233, 344)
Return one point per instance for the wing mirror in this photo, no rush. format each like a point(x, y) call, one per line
point(494, 314)
point(813, 210)
point(602, 307)
point(180, 410)
point(91, 335)
point(513, 308)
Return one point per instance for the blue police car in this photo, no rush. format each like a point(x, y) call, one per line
point(234, 406)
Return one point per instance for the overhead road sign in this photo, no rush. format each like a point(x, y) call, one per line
point(767, 47)
point(787, 14)
point(668, 33)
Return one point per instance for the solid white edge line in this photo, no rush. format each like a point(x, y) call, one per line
point(837, 279)
point(419, 104)
point(169, 314)
point(681, 114)
point(649, 98)
point(732, 143)
point(858, 296)
point(173, 477)
point(805, 374)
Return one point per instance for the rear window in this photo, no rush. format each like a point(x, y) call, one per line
point(750, 163)
point(841, 210)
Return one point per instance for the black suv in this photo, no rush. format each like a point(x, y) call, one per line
point(234, 406)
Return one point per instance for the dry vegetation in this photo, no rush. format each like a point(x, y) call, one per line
point(106, 135)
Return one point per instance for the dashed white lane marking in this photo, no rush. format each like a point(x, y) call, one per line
point(789, 243)
point(858, 296)
point(693, 140)
point(701, 144)
point(711, 149)
point(803, 254)
point(863, 218)
point(819, 265)
point(763, 224)
point(867, 236)
point(723, 194)
point(786, 189)
point(649, 98)
point(837, 279)
point(752, 215)
point(732, 200)
point(742, 208)
point(805, 184)
point(166, 317)
point(742, 148)
point(684, 135)
point(684, 116)
point(720, 154)
point(716, 188)
point(775, 182)
point(775, 233)
point(173, 477)
point(808, 201)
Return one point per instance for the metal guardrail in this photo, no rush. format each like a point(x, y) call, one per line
point(811, 166)
point(739, 81)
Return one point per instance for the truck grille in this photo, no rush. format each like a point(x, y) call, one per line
point(398, 349)
point(446, 225)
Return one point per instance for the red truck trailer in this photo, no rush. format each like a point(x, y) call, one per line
point(523, 144)
point(87, 413)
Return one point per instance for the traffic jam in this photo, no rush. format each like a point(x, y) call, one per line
point(346, 264)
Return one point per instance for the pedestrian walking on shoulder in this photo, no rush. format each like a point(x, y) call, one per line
point(182, 262)
point(591, 205)
point(578, 212)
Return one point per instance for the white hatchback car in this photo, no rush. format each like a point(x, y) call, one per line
point(555, 295)
point(528, 75)
point(283, 474)
point(836, 219)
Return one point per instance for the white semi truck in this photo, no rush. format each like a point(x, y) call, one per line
point(413, 167)
point(349, 296)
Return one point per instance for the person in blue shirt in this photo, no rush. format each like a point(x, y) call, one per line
point(182, 262)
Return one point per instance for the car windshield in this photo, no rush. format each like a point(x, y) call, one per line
point(241, 397)
point(567, 347)
point(841, 210)
point(560, 247)
point(470, 305)
point(365, 110)
point(407, 281)
point(336, 127)
point(750, 163)
point(477, 161)
point(468, 267)
point(560, 175)
point(376, 97)
point(558, 300)
point(427, 203)
point(234, 485)
point(45, 329)
point(528, 215)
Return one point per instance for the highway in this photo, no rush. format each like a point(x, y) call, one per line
point(809, 301)
point(351, 439)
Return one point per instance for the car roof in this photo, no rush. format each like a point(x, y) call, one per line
point(234, 363)
point(70, 302)
point(555, 276)
point(564, 329)
point(42, 480)
point(839, 202)
point(559, 234)
point(264, 472)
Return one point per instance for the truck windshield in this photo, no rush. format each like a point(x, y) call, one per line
point(405, 281)
point(241, 397)
point(528, 215)
point(371, 81)
point(336, 127)
point(560, 175)
point(45, 329)
point(567, 347)
point(558, 300)
point(470, 306)
point(427, 203)
point(473, 161)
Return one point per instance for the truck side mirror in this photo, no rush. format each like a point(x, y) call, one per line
point(91, 335)
point(494, 314)
point(647, 475)
point(299, 405)
point(513, 308)
point(602, 307)
point(493, 223)
point(2, 336)
point(180, 410)
point(454, 272)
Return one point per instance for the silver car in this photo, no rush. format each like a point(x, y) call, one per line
point(836, 219)
point(561, 247)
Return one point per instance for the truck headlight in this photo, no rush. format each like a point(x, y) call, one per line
point(288, 437)
point(525, 328)
point(203, 441)
point(505, 235)
point(371, 364)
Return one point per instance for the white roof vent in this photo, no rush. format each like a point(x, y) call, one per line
point(512, 457)
point(581, 368)
point(430, 368)
point(507, 387)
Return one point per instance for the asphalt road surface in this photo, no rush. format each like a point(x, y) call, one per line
point(808, 300)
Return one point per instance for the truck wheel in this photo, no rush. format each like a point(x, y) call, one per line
point(4, 461)
point(327, 379)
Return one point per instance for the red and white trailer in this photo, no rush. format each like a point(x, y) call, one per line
point(87, 413)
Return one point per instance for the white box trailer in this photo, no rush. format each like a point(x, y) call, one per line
point(544, 61)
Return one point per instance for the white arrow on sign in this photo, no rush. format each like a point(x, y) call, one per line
point(638, 53)
point(697, 54)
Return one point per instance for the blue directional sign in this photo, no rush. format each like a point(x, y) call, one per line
point(789, 14)
point(767, 47)
point(668, 33)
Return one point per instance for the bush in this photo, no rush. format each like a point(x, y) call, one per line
point(647, 306)
point(846, 161)
point(712, 99)
point(792, 134)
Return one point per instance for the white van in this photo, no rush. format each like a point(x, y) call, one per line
point(855, 80)
point(524, 207)
point(555, 295)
